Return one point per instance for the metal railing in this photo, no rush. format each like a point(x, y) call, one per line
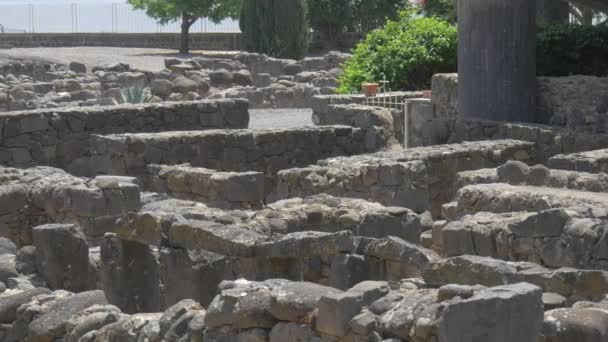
point(90, 18)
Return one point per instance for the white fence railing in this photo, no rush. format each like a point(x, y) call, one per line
point(114, 17)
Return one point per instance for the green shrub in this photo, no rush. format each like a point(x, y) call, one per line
point(278, 28)
point(564, 50)
point(406, 53)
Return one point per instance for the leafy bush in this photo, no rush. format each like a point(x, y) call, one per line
point(564, 50)
point(406, 53)
point(278, 28)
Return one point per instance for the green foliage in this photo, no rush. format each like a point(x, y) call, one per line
point(136, 95)
point(442, 9)
point(406, 53)
point(372, 14)
point(564, 50)
point(277, 28)
point(330, 17)
point(172, 10)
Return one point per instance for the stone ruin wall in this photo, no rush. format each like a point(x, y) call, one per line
point(61, 137)
point(327, 233)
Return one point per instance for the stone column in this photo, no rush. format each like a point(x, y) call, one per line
point(497, 59)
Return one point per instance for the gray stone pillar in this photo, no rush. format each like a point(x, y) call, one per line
point(497, 59)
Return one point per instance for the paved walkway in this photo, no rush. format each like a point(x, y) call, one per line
point(147, 59)
point(280, 118)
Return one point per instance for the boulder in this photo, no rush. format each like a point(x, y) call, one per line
point(575, 325)
point(184, 85)
point(242, 78)
point(10, 303)
point(51, 325)
point(62, 256)
point(78, 67)
point(221, 78)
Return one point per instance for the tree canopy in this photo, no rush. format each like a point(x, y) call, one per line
point(172, 10)
point(188, 11)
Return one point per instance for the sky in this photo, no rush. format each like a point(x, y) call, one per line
point(88, 16)
point(60, 1)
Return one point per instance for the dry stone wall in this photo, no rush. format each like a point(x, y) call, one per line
point(61, 137)
point(265, 151)
point(35, 196)
point(578, 103)
point(418, 178)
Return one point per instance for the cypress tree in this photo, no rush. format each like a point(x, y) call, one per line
point(278, 28)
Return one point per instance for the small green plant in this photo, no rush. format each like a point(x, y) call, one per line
point(136, 95)
point(405, 53)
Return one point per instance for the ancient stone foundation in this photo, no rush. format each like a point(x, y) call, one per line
point(176, 222)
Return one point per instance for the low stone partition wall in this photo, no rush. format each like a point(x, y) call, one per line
point(572, 284)
point(419, 178)
point(198, 41)
point(577, 103)
point(506, 198)
point(265, 151)
point(552, 238)
point(321, 103)
point(516, 173)
point(595, 161)
point(40, 195)
point(549, 140)
point(365, 117)
point(320, 239)
point(226, 190)
point(61, 137)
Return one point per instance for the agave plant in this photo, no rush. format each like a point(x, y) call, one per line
point(136, 95)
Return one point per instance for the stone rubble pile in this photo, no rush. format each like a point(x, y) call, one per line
point(266, 82)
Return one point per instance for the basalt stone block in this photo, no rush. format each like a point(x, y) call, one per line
point(62, 256)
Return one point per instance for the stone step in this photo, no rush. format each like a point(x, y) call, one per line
point(227, 190)
point(571, 283)
point(520, 174)
point(595, 161)
point(506, 198)
point(552, 238)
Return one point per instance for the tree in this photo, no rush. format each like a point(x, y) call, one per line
point(188, 11)
point(330, 18)
point(372, 14)
point(278, 28)
point(442, 9)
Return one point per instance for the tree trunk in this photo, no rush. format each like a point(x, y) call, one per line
point(497, 59)
point(187, 21)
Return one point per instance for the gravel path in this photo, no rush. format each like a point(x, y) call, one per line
point(147, 59)
point(280, 118)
